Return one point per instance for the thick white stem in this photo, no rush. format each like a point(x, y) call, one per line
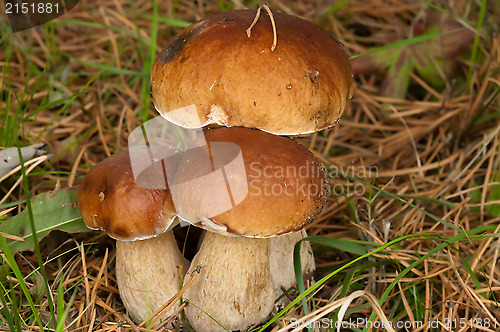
point(234, 286)
point(148, 273)
point(281, 260)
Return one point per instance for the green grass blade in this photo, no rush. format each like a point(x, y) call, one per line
point(320, 282)
point(443, 245)
point(174, 22)
point(38, 253)
point(389, 194)
point(340, 244)
point(60, 302)
point(62, 312)
point(334, 8)
point(107, 69)
point(12, 262)
point(8, 315)
point(406, 42)
point(297, 265)
point(475, 43)
point(206, 313)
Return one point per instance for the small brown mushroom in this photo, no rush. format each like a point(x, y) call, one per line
point(148, 261)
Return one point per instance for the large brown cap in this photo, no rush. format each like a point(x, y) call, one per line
point(278, 187)
point(110, 200)
point(232, 80)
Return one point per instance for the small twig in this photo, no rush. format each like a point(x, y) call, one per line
point(4, 212)
point(268, 10)
point(11, 237)
point(74, 168)
point(131, 323)
point(170, 319)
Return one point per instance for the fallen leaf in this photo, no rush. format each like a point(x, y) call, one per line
point(51, 210)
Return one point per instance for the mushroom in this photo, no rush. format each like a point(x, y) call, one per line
point(285, 189)
point(233, 80)
point(149, 264)
point(300, 86)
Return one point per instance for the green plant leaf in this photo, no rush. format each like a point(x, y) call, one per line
point(51, 210)
point(337, 243)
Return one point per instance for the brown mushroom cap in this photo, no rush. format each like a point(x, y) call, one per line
point(110, 200)
point(232, 80)
point(286, 185)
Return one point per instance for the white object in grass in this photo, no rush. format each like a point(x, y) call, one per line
point(9, 158)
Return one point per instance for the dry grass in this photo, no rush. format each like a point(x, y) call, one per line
point(437, 150)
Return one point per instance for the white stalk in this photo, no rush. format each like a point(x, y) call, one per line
point(148, 273)
point(234, 287)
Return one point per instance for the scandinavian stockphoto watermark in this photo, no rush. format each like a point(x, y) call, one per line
point(356, 323)
point(341, 179)
point(344, 179)
point(285, 180)
point(449, 324)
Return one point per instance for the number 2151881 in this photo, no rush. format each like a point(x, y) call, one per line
point(31, 8)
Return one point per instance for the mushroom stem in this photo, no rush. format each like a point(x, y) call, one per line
point(235, 287)
point(148, 273)
point(282, 265)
